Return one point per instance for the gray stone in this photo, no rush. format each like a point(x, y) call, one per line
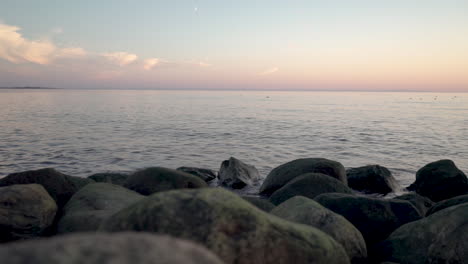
point(260, 203)
point(92, 204)
point(306, 211)
point(447, 203)
point(100, 248)
point(158, 179)
point(421, 203)
point(228, 225)
point(237, 174)
point(281, 175)
point(204, 174)
point(110, 177)
point(371, 179)
point(26, 211)
point(309, 185)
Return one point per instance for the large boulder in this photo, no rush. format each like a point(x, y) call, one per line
point(438, 238)
point(260, 203)
point(91, 205)
point(101, 248)
point(309, 185)
point(440, 180)
point(158, 179)
point(110, 177)
point(26, 211)
point(281, 175)
point(204, 174)
point(447, 203)
point(375, 218)
point(58, 185)
point(371, 179)
point(228, 225)
point(80, 182)
point(306, 211)
point(236, 174)
point(421, 203)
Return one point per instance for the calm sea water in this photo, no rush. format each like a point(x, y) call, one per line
point(81, 132)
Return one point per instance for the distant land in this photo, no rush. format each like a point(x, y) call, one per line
point(29, 87)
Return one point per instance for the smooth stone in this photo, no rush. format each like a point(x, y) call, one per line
point(303, 210)
point(281, 175)
point(447, 203)
point(309, 185)
point(26, 211)
point(421, 203)
point(158, 179)
point(110, 177)
point(80, 182)
point(260, 203)
point(371, 179)
point(92, 204)
point(438, 238)
point(375, 218)
point(440, 180)
point(228, 225)
point(101, 248)
point(204, 174)
point(236, 174)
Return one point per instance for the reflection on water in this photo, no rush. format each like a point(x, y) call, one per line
point(83, 132)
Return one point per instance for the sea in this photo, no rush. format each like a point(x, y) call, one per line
point(82, 132)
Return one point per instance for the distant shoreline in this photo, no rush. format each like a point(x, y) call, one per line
point(29, 88)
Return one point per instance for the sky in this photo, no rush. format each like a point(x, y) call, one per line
point(377, 45)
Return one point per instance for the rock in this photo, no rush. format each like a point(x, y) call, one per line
point(58, 185)
point(260, 203)
point(100, 248)
point(91, 205)
point(306, 211)
point(204, 174)
point(26, 211)
point(158, 179)
point(371, 179)
point(447, 203)
point(80, 182)
point(228, 225)
point(110, 177)
point(421, 203)
point(236, 174)
point(309, 185)
point(375, 218)
point(438, 238)
point(281, 175)
point(440, 180)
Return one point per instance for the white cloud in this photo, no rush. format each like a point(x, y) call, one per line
point(150, 63)
point(71, 53)
point(16, 49)
point(269, 71)
point(120, 58)
point(57, 30)
point(204, 64)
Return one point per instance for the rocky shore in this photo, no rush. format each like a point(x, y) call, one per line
point(307, 211)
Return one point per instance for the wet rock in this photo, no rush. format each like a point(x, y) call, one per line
point(447, 203)
point(58, 185)
point(306, 211)
point(110, 177)
point(260, 203)
point(438, 238)
point(281, 175)
point(421, 203)
point(158, 179)
point(440, 180)
point(80, 182)
point(100, 248)
point(26, 211)
point(375, 218)
point(309, 185)
point(228, 225)
point(371, 179)
point(237, 174)
point(92, 204)
point(204, 174)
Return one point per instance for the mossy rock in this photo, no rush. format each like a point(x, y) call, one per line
point(281, 175)
point(92, 204)
point(228, 225)
point(260, 203)
point(306, 211)
point(309, 185)
point(158, 179)
point(101, 248)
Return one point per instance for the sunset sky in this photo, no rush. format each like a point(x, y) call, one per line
point(242, 44)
